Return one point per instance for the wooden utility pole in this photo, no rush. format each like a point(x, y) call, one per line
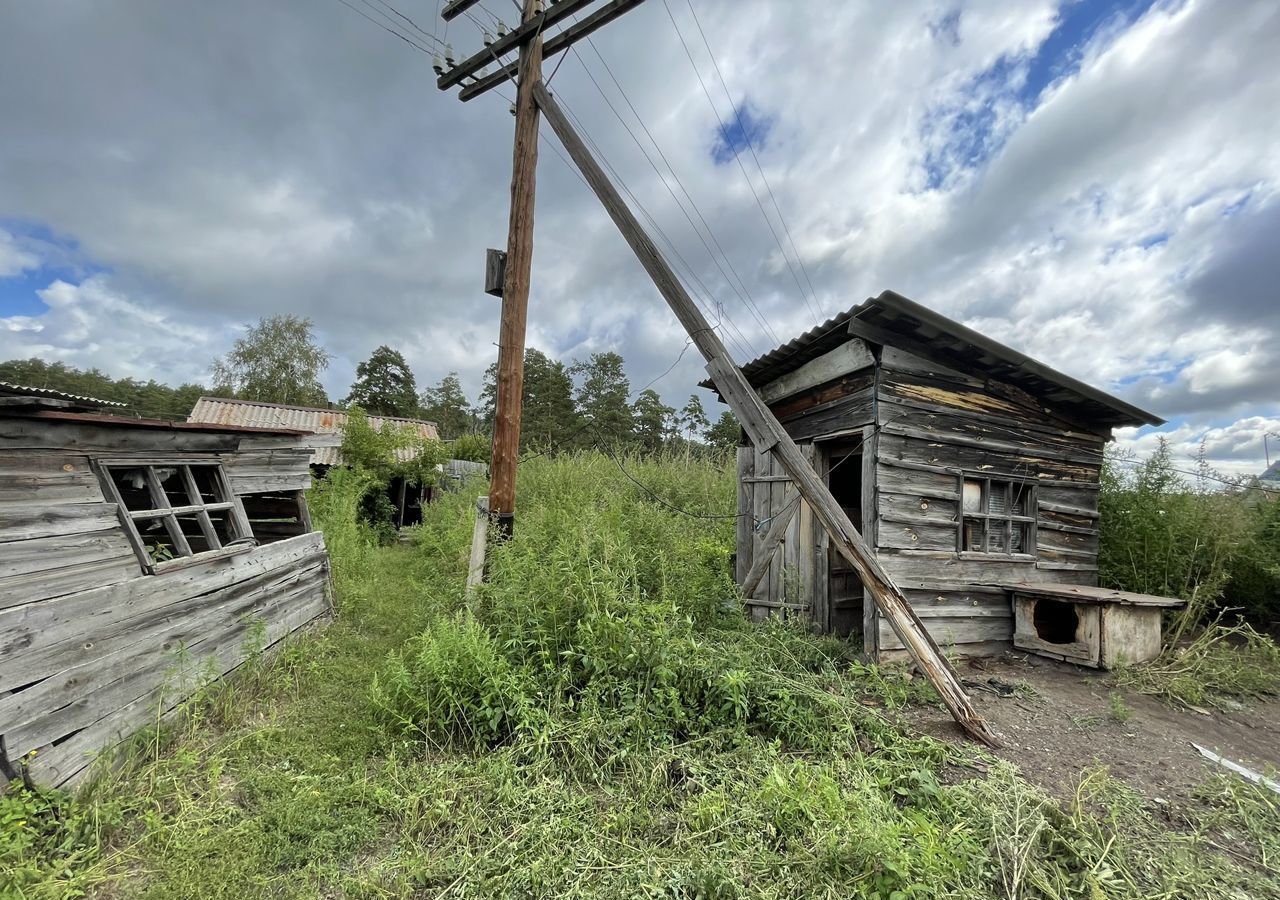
point(515, 288)
point(766, 433)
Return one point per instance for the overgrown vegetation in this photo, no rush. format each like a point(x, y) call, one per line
point(592, 723)
point(378, 455)
point(1213, 544)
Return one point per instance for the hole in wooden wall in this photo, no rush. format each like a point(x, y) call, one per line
point(1055, 621)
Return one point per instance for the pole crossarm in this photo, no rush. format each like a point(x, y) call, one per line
point(768, 435)
point(553, 45)
point(455, 8)
point(509, 42)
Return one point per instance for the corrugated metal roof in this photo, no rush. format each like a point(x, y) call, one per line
point(892, 318)
point(26, 390)
point(226, 411)
point(131, 422)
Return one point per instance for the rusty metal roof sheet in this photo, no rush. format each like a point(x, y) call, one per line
point(310, 419)
point(892, 318)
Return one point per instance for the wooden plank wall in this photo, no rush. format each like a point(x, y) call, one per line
point(81, 672)
point(57, 532)
point(90, 647)
point(935, 424)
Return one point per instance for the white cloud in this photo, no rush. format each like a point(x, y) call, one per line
point(308, 165)
point(14, 260)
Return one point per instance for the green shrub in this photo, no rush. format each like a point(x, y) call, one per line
point(1254, 587)
point(473, 447)
point(1161, 535)
point(452, 685)
point(1222, 663)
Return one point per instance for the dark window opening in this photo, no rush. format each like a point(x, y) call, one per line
point(997, 516)
point(1055, 622)
point(276, 516)
point(174, 510)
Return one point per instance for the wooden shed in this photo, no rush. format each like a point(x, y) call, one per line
point(967, 466)
point(138, 559)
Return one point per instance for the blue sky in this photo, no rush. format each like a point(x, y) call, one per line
point(1094, 184)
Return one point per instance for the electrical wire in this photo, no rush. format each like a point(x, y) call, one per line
point(386, 28)
point(745, 293)
point(730, 325)
point(709, 301)
point(412, 23)
point(750, 146)
point(724, 131)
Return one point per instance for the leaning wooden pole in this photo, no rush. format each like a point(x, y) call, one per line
point(515, 289)
point(769, 436)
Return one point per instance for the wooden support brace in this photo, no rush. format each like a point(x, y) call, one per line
point(768, 435)
point(772, 538)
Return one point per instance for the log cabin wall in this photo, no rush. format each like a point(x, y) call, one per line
point(937, 429)
point(92, 647)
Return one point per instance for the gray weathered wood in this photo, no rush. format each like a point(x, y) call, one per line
point(745, 523)
point(495, 271)
point(777, 528)
point(30, 521)
point(35, 636)
point(846, 358)
point(767, 434)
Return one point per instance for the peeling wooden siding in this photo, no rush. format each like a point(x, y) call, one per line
point(936, 425)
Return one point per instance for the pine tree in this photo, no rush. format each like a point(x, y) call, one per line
point(446, 404)
point(693, 419)
point(548, 419)
point(602, 398)
point(724, 435)
point(654, 421)
point(385, 386)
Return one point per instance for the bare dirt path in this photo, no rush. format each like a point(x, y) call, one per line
point(1061, 720)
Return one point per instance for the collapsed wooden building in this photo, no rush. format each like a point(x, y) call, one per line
point(971, 470)
point(138, 559)
point(323, 435)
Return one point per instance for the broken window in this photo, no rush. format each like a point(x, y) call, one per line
point(996, 516)
point(277, 515)
point(175, 510)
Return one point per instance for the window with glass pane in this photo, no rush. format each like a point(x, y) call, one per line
point(175, 510)
point(996, 516)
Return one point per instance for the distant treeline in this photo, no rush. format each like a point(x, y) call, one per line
point(145, 398)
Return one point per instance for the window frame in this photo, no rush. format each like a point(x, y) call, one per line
point(242, 539)
point(987, 517)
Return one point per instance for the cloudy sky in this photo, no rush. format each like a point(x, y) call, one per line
point(1096, 184)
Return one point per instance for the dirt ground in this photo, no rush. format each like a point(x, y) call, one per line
point(1059, 720)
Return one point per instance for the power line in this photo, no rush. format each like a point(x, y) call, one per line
point(663, 179)
point(750, 146)
point(412, 23)
point(708, 300)
point(386, 28)
point(747, 299)
point(724, 131)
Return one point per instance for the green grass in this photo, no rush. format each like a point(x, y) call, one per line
point(594, 723)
